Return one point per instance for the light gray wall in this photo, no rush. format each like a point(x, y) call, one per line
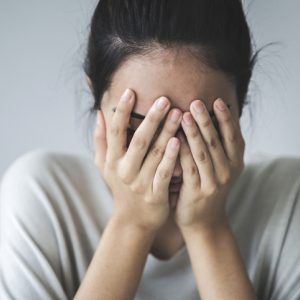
point(273, 91)
point(42, 90)
point(43, 94)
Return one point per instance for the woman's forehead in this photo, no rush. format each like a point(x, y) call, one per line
point(181, 80)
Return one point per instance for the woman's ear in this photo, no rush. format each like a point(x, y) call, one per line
point(89, 82)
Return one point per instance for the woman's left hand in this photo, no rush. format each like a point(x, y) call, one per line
point(210, 166)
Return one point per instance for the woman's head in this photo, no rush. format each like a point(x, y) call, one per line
point(185, 50)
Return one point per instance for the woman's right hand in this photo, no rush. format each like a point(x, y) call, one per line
point(138, 177)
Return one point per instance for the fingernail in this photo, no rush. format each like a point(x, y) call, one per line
point(162, 103)
point(175, 115)
point(174, 144)
point(126, 96)
point(199, 107)
point(187, 118)
point(220, 105)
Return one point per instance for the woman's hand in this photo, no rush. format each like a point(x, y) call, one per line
point(138, 177)
point(209, 168)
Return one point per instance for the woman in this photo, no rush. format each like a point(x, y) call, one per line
point(167, 209)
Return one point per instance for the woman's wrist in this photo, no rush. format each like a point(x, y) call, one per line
point(118, 261)
point(122, 222)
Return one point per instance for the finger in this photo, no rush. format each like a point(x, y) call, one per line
point(211, 138)
point(142, 138)
point(100, 142)
point(166, 167)
point(191, 178)
point(157, 150)
point(230, 131)
point(199, 150)
point(117, 133)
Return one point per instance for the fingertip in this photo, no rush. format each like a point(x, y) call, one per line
point(132, 93)
point(128, 96)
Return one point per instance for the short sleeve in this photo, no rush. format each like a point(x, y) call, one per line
point(29, 247)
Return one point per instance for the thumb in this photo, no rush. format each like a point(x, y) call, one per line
point(100, 141)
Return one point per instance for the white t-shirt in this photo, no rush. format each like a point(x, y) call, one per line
point(54, 208)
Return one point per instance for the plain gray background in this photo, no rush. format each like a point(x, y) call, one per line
point(44, 99)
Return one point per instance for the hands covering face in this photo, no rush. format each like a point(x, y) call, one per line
point(211, 162)
point(138, 174)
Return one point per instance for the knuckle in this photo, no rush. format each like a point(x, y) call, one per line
point(226, 178)
point(169, 128)
point(114, 130)
point(138, 188)
point(201, 156)
point(157, 151)
point(123, 174)
point(213, 143)
point(205, 123)
point(192, 170)
point(212, 190)
point(139, 142)
point(164, 173)
point(194, 133)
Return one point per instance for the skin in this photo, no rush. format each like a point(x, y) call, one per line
point(143, 219)
point(181, 77)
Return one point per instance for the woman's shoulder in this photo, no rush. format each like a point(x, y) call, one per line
point(268, 162)
point(265, 195)
point(267, 184)
point(55, 205)
point(54, 178)
point(264, 211)
point(41, 161)
point(46, 166)
point(270, 171)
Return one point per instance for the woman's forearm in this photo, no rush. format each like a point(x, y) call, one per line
point(117, 265)
point(217, 265)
